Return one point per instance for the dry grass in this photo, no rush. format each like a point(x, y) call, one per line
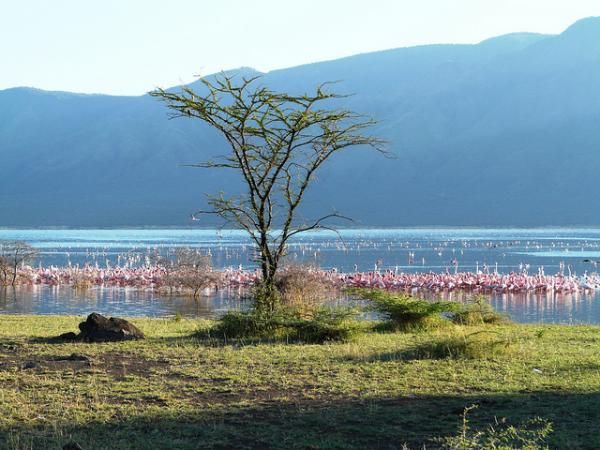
point(304, 288)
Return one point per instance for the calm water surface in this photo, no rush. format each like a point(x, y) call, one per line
point(414, 250)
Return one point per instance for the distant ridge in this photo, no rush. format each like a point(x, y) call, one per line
point(504, 132)
point(514, 41)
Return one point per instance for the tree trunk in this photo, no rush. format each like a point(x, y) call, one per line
point(267, 296)
point(14, 275)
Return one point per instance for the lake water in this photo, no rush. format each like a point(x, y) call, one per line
point(409, 250)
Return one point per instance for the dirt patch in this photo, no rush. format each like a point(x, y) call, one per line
point(118, 365)
point(114, 364)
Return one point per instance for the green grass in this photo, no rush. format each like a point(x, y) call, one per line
point(380, 390)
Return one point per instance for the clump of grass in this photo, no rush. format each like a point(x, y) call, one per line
point(239, 324)
point(478, 311)
point(484, 344)
point(530, 435)
point(325, 324)
point(403, 312)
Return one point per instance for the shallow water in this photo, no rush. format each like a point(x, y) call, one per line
point(130, 302)
point(414, 250)
point(114, 301)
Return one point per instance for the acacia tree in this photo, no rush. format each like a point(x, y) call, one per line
point(12, 255)
point(277, 143)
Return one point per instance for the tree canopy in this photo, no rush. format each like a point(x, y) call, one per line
point(277, 143)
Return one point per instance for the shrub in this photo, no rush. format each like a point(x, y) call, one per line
point(266, 299)
point(190, 272)
point(291, 310)
point(477, 311)
point(324, 325)
point(406, 313)
point(303, 288)
point(236, 324)
point(530, 435)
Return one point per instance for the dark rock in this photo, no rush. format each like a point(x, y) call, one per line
point(98, 328)
point(72, 446)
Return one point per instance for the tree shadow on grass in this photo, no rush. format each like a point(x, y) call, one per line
point(196, 339)
point(478, 345)
point(376, 423)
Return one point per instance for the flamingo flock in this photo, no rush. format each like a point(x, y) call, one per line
point(156, 276)
point(470, 281)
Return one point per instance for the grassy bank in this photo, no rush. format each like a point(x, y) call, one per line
point(380, 390)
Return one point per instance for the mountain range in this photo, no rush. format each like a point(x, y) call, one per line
point(501, 133)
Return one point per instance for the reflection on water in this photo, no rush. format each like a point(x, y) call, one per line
point(533, 307)
point(129, 302)
point(113, 301)
point(576, 308)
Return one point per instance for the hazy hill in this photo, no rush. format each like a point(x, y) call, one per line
point(506, 132)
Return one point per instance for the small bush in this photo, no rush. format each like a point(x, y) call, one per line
point(530, 435)
point(478, 312)
point(406, 313)
point(236, 324)
point(266, 299)
point(327, 324)
point(303, 288)
point(324, 325)
point(190, 272)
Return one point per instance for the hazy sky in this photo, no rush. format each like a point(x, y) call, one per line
point(132, 46)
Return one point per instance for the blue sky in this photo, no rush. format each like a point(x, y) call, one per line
point(132, 46)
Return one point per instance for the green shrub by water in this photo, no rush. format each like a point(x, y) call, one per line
point(302, 321)
point(405, 313)
point(236, 324)
point(478, 311)
point(325, 324)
